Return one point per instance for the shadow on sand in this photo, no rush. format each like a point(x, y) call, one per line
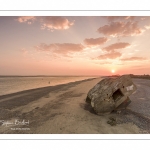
point(87, 107)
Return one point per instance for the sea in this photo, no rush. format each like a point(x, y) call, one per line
point(13, 84)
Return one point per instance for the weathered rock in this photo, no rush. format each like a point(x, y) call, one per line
point(111, 94)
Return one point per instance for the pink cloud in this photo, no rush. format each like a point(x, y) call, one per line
point(96, 41)
point(55, 22)
point(58, 48)
point(116, 46)
point(103, 62)
point(112, 18)
point(48, 22)
point(147, 27)
point(133, 59)
point(24, 51)
point(27, 19)
point(111, 55)
point(120, 29)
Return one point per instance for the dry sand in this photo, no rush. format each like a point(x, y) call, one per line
point(62, 110)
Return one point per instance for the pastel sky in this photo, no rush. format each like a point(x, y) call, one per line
point(70, 45)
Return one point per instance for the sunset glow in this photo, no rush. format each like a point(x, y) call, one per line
point(89, 45)
point(113, 71)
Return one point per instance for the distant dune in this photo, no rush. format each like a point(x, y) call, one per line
point(140, 76)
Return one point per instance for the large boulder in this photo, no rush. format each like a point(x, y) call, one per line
point(111, 94)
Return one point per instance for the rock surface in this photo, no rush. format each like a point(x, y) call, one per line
point(111, 94)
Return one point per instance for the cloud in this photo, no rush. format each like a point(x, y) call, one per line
point(103, 62)
point(147, 27)
point(57, 48)
point(112, 55)
point(143, 18)
point(112, 18)
point(116, 46)
point(48, 22)
point(55, 22)
point(121, 29)
point(28, 19)
point(96, 41)
point(133, 59)
point(24, 52)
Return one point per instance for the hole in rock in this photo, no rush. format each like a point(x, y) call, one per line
point(117, 95)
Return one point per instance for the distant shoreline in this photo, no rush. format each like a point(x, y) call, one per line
point(44, 88)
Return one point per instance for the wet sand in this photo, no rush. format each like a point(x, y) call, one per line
point(62, 109)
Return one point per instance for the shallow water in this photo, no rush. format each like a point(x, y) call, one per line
point(15, 84)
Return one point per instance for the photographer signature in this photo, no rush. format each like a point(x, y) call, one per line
point(14, 123)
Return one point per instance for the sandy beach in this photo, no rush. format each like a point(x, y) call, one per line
point(62, 109)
